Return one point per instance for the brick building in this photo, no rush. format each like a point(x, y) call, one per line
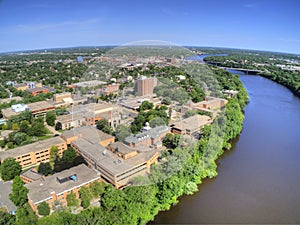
point(35, 153)
point(54, 189)
point(144, 86)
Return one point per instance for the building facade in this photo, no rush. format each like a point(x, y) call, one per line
point(35, 153)
point(144, 86)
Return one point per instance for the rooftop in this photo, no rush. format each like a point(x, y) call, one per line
point(192, 123)
point(36, 89)
point(108, 160)
point(88, 132)
point(33, 107)
point(31, 174)
point(152, 133)
point(41, 190)
point(47, 143)
point(122, 148)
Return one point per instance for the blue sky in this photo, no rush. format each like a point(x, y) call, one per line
point(258, 24)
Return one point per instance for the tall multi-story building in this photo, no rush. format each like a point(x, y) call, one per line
point(145, 85)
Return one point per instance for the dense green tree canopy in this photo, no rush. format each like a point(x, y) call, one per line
point(45, 168)
point(19, 192)
point(69, 155)
point(50, 118)
point(9, 169)
point(43, 209)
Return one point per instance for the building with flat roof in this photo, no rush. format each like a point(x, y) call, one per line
point(144, 85)
point(90, 133)
point(35, 153)
point(36, 90)
point(37, 108)
point(152, 137)
point(110, 89)
point(55, 188)
point(30, 175)
point(190, 125)
point(118, 167)
point(117, 162)
point(70, 121)
point(27, 85)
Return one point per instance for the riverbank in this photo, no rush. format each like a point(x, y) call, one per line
point(257, 180)
point(275, 69)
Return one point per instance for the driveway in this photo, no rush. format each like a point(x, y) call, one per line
point(5, 190)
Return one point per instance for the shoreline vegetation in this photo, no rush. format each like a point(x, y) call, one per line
point(282, 68)
point(140, 204)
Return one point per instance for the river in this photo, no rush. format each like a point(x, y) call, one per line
point(258, 180)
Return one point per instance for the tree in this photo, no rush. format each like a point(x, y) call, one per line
point(190, 188)
point(19, 192)
point(172, 141)
point(43, 209)
point(9, 169)
point(37, 128)
point(122, 132)
point(157, 121)
point(190, 113)
point(15, 126)
point(50, 118)
point(45, 168)
point(166, 101)
point(7, 219)
point(58, 126)
point(72, 200)
point(26, 216)
point(85, 197)
point(97, 188)
point(20, 138)
point(102, 124)
point(53, 153)
point(145, 106)
point(69, 155)
point(24, 126)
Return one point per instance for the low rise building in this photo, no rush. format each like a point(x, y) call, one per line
point(55, 188)
point(110, 89)
point(190, 125)
point(150, 137)
point(118, 166)
point(30, 175)
point(27, 85)
point(36, 90)
point(37, 108)
point(90, 133)
point(35, 153)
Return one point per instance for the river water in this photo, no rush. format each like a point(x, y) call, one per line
point(258, 180)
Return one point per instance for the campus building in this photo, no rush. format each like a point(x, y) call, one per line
point(37, 108)
point(35, 153)
point(116, 162)
point(150, 137)
point(190, 125)
point(30, 175)
point(144, 86)
point(55, 188)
